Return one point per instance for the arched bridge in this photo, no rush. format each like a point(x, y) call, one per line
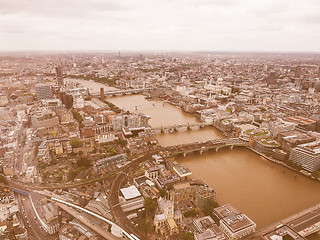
point(186, 125)
point(205, 146)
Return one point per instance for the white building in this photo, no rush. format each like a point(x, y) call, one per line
point(307, 155)
point(234, 224)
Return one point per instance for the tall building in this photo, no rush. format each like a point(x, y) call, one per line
point(298, 71)
point(307, 155)
point(59, 76)
point(40, 78)
point(102, 94)
point(43, 91)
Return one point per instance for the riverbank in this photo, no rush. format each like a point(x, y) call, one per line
point(282, 164)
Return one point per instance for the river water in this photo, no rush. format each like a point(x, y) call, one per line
point(264, 191)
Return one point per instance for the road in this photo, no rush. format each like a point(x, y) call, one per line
point(116, 209)
point(33, 226)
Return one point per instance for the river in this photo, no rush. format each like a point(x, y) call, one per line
point(264, 191)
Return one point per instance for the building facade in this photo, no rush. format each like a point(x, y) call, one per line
point(307, 156)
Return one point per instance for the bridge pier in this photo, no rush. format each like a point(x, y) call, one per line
point(184, 154)
point(231, 147)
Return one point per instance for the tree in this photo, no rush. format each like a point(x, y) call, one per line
point(234, 89)
point(191, 213)
point(208, 208)
point(146, 226)
point(149, 205)
point(84, 163)
point(77, 116)
point(76, 143)
point(187, 236)
point(112, 151)
point(162, 192)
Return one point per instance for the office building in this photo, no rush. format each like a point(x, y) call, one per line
point(44, 118)
point(129, 121)
point(234, 224)
point(40, 78)
point(59, 76)
point(307, 156)
point(43, 91)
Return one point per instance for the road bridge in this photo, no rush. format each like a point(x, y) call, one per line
point(205, 146)
point(186, 125)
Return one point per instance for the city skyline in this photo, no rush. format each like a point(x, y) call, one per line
point(246, 26)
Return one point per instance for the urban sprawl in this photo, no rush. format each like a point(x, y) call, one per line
point(76, 166)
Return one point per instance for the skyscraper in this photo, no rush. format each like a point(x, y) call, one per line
point(59, 76)
point(102, 94)
point(40, 78)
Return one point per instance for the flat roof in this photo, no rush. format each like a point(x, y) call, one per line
point(182, 171)
point(130, 192)
point(233, 219)
point(301, 120)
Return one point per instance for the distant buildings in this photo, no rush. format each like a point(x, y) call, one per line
point(40, 78)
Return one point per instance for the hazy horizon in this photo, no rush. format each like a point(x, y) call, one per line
point(160, 26)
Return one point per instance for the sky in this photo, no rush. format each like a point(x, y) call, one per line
point(160, 25)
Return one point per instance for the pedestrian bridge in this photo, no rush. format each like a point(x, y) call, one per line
point(123, 92)
point(205, 146)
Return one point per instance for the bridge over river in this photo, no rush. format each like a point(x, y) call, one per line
point(123, 92)
point(186, 125)
point(205, 146)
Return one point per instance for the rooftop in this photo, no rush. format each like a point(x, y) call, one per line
point(232, 218)
point(130, 192)
point(302, 120)
point(182, 170)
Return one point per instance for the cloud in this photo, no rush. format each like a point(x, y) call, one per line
point(159, 25)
